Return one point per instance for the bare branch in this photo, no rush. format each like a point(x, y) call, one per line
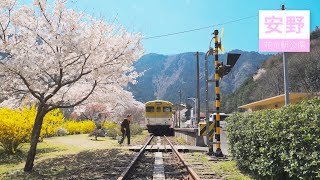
point(6, 26)
point(33, 92)
point(74, 61)
point(114, 57)
point(77, 103)
point(51, 77)
point(82, 73)
point(59, 85)
point(85, 115)
point(42, 39)
point(66, 92)
point(20, 91)
point(9, 17)
point(46, 42)
point(44, 14)
point(60, 17)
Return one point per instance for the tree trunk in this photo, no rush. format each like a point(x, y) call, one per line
point(41, 112)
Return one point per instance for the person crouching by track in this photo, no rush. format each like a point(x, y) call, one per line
point(125, 129)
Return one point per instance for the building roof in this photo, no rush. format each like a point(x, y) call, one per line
point(277, 101)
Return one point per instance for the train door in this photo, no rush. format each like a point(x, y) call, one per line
point(167, 114)
point(158, 114)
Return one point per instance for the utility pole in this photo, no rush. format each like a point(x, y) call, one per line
point(198, 92)
point(179, 107)
point(209, 130)
point(285, 74)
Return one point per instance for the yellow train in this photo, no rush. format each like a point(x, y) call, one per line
point(158, 117)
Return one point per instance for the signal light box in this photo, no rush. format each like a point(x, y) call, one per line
point(284, 31)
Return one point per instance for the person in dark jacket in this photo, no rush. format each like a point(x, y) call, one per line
point(125, 129)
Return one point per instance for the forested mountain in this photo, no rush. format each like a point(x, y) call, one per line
point(304, 76)
point(164, 75)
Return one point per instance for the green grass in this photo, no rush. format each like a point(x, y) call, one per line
point(56, 157)
point(225, 169)
point(12, 162)
point(181, 141)
point(140, 138)
point(229, 170)
point(55, 147)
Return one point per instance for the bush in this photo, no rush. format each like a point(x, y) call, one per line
point(112, 129)
point(16, 126)
point(79, 127)
point(113, 132)
point(51, 122)
point(135, 129)
point(97, 133)
point(62, 132)
point(87, 126)
point(278, 144)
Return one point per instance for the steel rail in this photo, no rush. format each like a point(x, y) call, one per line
point(190, 170)
point(126, 172)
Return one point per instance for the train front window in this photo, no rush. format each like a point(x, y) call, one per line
point(166, 109)
point(158, 109)
point(149, 109)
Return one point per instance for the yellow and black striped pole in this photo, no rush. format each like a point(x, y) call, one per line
point(217, 78)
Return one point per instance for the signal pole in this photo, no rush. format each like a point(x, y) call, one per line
point(285, 74)
point(198, 92)
point(220, 71)
point(217, 78)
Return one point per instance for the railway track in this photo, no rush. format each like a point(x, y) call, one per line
point(158, 165)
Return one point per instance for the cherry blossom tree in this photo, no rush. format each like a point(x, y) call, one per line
point(117, 102)
point(60, 58)
point(94, 111)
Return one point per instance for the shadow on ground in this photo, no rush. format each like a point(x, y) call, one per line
point(98, 164)
point(21, 156)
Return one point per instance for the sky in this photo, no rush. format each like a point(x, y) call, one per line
point(159, 17)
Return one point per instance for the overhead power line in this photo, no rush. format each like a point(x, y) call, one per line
point(197, 29)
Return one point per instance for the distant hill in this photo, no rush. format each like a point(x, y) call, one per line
point(165, 75)
point(303, 71)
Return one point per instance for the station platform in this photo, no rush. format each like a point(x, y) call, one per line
point(191, 136)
